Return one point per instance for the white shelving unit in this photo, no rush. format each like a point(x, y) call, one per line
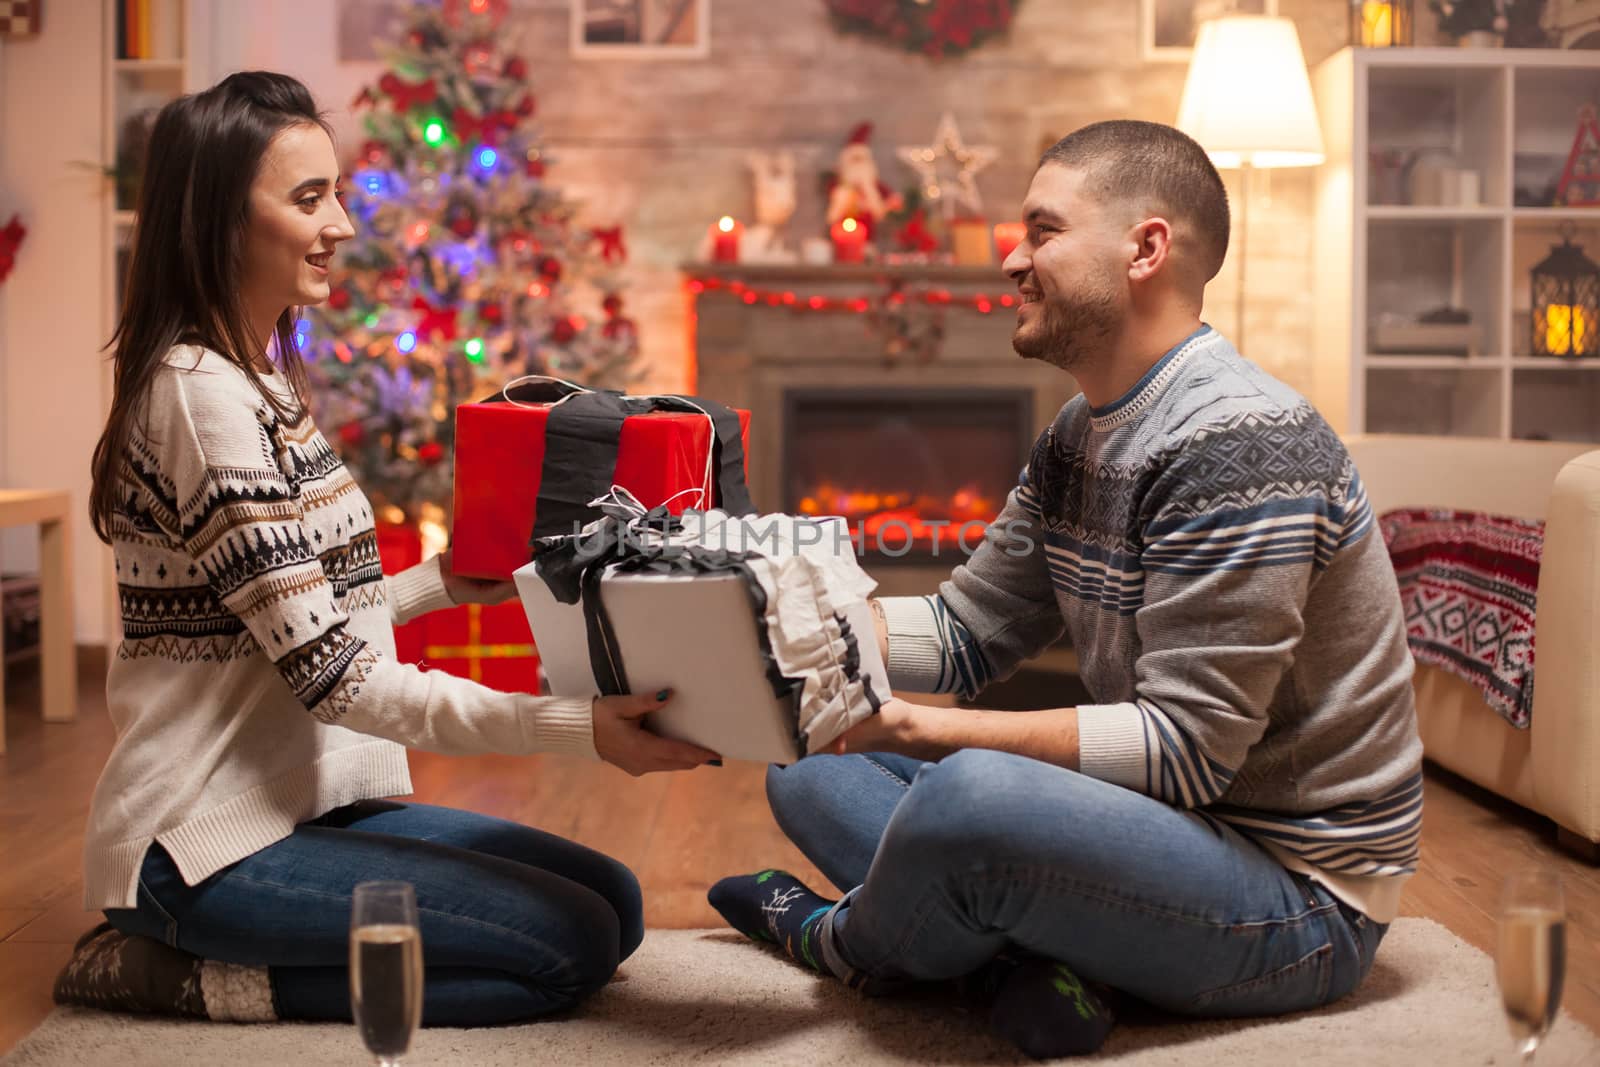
point(135, 89)
point(1507, 116)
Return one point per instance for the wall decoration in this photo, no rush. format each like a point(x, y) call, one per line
point(939, 29)
point(641, 29)
point(362, 24)
point(1168, 28)
point(19, 18)
point(948, 169)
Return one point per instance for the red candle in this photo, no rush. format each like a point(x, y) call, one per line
point(1007, 236)
point(725, 234)
point(849, 241)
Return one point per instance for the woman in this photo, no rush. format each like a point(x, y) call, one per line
point(258, 705)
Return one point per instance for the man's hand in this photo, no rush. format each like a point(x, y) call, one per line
point(464, 590)
point(622, 741)
point(897, 727)
point(880, 623)
point(922, 731)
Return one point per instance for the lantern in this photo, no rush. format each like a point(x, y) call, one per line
point(1565, 301)
point(1380, 23)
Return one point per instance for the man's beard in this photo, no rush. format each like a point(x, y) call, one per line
point(1069, 332)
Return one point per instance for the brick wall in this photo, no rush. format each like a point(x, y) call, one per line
point(660, 145)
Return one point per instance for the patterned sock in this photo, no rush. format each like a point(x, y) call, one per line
point(774, 906)
point(1043, 1008)
point(112, 971)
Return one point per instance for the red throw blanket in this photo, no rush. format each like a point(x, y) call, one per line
point(1468, 583)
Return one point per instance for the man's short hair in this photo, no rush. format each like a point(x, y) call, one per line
point(1158, 168)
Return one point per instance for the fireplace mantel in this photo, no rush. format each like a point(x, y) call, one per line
point(752, 354)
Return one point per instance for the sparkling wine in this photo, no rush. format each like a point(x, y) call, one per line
point(1531, 964)
point(386, 986)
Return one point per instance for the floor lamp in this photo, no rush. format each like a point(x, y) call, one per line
point(1247, 101)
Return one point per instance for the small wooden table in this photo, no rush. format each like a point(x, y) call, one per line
point(51, 511)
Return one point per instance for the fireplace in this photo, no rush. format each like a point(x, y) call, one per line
point(862, 408)
point(917, 472)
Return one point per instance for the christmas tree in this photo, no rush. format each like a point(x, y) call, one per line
point(468, 268)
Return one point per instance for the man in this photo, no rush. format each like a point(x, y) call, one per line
point(1226, 830)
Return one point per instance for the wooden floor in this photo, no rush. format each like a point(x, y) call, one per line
point(679, 833)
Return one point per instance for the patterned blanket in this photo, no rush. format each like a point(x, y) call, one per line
point(1468, 583)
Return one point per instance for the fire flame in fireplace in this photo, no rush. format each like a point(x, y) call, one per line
point(929, 518)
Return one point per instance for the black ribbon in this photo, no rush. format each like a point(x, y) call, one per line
point(583, 436)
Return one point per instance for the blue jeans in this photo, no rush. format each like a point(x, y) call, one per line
point(516, 923)
point(946, 865)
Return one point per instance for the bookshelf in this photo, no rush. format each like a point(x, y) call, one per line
point(1436, 158)
point(145, 68)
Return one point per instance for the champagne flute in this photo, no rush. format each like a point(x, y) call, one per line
point(385, 968)
point(1532, 959)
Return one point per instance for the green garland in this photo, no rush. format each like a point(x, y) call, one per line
point(934, 28)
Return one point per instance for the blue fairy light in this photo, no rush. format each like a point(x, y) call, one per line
point(406, 342)
point(487, 158)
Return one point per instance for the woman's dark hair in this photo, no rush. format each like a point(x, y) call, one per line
point(183, 280)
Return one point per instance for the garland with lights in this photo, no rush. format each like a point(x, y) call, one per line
point(467, 269)
point(896, 294)
point(935, 28)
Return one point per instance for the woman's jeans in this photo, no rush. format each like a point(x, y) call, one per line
point(948, 864)
point(516, 923)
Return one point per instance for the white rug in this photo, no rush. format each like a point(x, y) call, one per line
point(712, 997)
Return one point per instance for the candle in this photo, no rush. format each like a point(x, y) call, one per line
point(849, 241)
point(1566, 330)
point(1378, 28)
point(1007, 236)
point(725, 234)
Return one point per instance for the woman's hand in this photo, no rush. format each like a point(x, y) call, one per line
point(622, 741)
point(464, 590)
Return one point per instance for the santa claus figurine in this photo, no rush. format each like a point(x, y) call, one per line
point(856, 192)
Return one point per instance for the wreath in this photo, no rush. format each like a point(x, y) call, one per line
point(936, 28)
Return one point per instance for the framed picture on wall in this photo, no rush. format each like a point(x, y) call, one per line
point(1167, 28)
point(641, 29)
point(364, 22)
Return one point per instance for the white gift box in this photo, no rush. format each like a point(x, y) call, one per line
point(701, 635)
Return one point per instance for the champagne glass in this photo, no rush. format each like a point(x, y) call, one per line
point(1532, 958)
point(385, 968)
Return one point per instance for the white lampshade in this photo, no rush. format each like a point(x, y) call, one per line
point(1247, 98)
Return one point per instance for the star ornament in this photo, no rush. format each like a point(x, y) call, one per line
point(949, 161)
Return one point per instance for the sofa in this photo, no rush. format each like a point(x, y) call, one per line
point(1552, 767)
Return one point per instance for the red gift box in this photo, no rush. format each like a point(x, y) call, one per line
point(399, 547)
point(491, 645)
point(500, 457)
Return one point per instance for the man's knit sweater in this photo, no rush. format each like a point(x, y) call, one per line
point(1206, 544)
point(255, 686)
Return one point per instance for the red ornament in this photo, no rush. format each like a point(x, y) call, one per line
point(612, 250)
point(536, 168)
point(485, 128)
point(612, 303)
point(352, 433)
point(550, 269)
point(618, 327)
point(436, 323)
point(464, 225)
point(339, 299)
point(563, 331)
point(516, 69)
point(10, 241)
point(430, 453)
point(406, 95)
point(491, 313)
point(526, 106)
point(373, 152)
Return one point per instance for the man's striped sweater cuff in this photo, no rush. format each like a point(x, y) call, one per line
point(916, 652)
point(1111, 744)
